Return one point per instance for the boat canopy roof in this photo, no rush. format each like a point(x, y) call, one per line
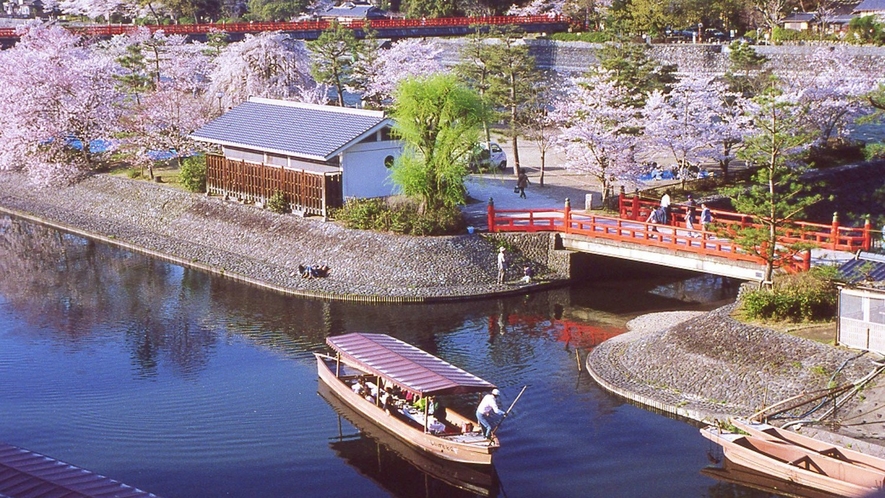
point(405, 365)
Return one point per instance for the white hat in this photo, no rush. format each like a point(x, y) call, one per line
point(495, 392)
point(501, 249)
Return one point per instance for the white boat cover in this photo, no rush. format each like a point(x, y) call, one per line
point(405, 365)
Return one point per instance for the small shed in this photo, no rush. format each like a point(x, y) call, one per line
point(861, 322)
point(314, 155)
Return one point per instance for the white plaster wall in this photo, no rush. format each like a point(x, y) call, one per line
point(363, 170)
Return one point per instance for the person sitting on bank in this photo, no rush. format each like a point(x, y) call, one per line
point(528, 273)
point(488, 411)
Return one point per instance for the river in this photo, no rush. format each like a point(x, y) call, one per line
point(190, 385)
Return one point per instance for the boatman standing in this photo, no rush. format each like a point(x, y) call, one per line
point(487, 410)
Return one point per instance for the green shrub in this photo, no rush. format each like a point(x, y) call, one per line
point(193, 173)
point(400, 217)
point(807, 296)
point(277, 203)
point(874, 152)
point(133, 173)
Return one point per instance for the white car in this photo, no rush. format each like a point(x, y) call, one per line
point(483, 160)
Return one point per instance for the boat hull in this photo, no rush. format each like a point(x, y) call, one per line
point(799, 465)
point(444, 447)
point(475, 479)
point(770, 432)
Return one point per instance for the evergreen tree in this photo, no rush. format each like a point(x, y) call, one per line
point(513, 74)
point(333, 56)
point(777, 195)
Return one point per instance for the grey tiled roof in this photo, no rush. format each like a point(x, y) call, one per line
point(866, 267)
point(354, 11)
point(290, 128)
point(871, 5)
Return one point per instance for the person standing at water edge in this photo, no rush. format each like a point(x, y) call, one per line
point(487, 411)
point(522, 181)
point(502, 265)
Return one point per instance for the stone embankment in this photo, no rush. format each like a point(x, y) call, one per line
point(264, 248)
point(709, 366)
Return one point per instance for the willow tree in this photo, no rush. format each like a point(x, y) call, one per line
point(439, 119)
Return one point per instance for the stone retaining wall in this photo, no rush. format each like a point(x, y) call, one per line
point(578, 57)
point(263, 248)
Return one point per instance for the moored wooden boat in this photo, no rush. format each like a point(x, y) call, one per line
point(797, 464)
point(380, 358)
point(772, 433)
point(392, 458)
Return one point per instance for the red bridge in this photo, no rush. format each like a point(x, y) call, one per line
point(629, 236)
point(310, 30)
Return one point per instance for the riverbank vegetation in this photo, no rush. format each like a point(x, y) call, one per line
point(803, 297)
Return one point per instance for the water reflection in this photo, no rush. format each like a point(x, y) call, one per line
point(187, 384)
point(736, 481)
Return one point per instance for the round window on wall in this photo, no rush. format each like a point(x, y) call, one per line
point(388, 162)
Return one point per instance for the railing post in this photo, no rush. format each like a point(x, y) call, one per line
point(622, 197)
point(567, 215)
point(806, 260)
point(636, 205)
point(491, 215)
point(867, 234)
point(834, 230)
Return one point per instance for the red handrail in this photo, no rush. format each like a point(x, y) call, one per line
point(318, 25)
point(835, 237)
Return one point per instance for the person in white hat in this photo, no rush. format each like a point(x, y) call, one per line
point(502, 264)
point(487, 409)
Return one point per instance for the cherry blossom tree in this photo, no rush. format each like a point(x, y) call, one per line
point(686, 123)
point(730, 122)
point(56, 98)
point(269, 64)
point(412, 57)
point(834, 95)
point(595, 135)
point(538, 123)
point(176, 105)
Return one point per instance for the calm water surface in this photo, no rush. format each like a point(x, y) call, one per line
point(189, 385)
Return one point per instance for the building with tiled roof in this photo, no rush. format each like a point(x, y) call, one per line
point(861, 322)
point(316, 155)
point(349, 11)
point(871, 8)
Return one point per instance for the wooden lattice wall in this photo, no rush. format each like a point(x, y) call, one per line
point(305, 192)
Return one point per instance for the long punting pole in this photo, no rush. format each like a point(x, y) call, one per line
point(508, 410)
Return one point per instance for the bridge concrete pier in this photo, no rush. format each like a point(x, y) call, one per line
point(741, 270)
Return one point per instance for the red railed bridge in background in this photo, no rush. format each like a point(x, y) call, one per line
point(628, 236)
point(310, 30)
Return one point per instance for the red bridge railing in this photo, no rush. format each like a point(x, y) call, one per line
point(832, 236)
point(617, 229)
point(105, 30)
point(631, 227)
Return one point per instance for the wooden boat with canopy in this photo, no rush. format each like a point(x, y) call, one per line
point(388, 366)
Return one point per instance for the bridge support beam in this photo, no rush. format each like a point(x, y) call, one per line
point(666, 257)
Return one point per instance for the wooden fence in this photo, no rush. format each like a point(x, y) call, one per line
point(305, 192)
